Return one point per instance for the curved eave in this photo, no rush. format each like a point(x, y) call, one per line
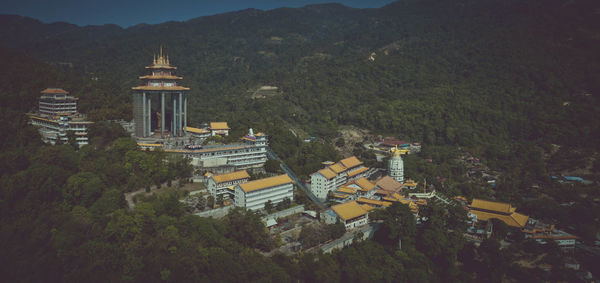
point(158, 88)
point(161, 78)
point(161, 67)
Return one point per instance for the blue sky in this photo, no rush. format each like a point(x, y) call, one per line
point(131, 12)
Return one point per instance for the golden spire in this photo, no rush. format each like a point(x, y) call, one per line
point(154, 60)
point(168, 60)
point(396, 151)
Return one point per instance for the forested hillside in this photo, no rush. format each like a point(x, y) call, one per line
point(458, 72)
point(505, 78)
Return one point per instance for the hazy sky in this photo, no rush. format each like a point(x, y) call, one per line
point(131, 12)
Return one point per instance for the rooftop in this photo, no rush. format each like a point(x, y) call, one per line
point(327, 173)
point(373, 202)
point(221, 178)
point(265, 183)
point(514, 219)
point(350, 162)
point(337, 168)
point(145, 87)
point(493, 206)
point(349, 210)
point(55, 90)
point(219, 126)
point(357, 171)
point(364, 184)
point(196, 130)
point(388, 183)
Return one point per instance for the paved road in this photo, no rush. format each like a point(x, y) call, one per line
point(299, 183)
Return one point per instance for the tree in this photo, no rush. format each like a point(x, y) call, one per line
point(247, 228)
point(272, 166)
point(268, 206)
point(398, 223)
point(210, 201)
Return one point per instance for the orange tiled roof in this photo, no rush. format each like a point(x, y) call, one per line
point(265, 183)
point(337, 168)
point(55, 90)
point(349, 210)
point(514, 219)
point(357, 171)
point(327, 173)
point(365, 184)
point(221, 178)
point(500, 207)
point(350, 162)
point(145, 87)
point(219, 126)
point(161, 77)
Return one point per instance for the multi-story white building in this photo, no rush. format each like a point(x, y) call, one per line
point(396, 166)
point(55, 101)
point(333, 176)
point(251, 153)
point(57, 116)
point(254, 194)
point(350, 213)
point(224, 184)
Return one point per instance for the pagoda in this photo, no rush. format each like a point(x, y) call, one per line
point(161, 82)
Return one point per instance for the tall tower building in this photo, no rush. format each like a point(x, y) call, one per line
point(160, 82)
point(396, 166)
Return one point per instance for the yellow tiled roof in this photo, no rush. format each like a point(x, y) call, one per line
point(373, 202)
point(365, 184)
point(346, 190)
point(265, 183)
point(327, 173)
point(350, 162)
point(337, 168)
point(349, 210)
point(220, 178)
point(150, 144)
point(367, 207)
point(410, 183)
point(146, 87)
point(219, 126)
point(55, 90)
point(357, 171)
point(389, 184)
point(157, 77)
point(196, 130)
point(515, 219)
point(500, 207)
point(342, 196)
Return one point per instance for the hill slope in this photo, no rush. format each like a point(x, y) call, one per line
point(463, 72)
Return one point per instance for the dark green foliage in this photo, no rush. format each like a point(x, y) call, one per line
point(246, 228)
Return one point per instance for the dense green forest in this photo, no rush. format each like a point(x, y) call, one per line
point(458, 72)
point(505, 79)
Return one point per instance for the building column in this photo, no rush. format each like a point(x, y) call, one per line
point(162, 115)
point(149, 115)
point(173, 122)
point(143, 114)
point(185, 113)
point(180, 115)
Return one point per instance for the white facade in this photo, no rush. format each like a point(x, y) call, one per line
point(320, 185)
point(253, 195)
point(220, 186)
point(396, 167)
point(54, 130)
point(250, 154)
